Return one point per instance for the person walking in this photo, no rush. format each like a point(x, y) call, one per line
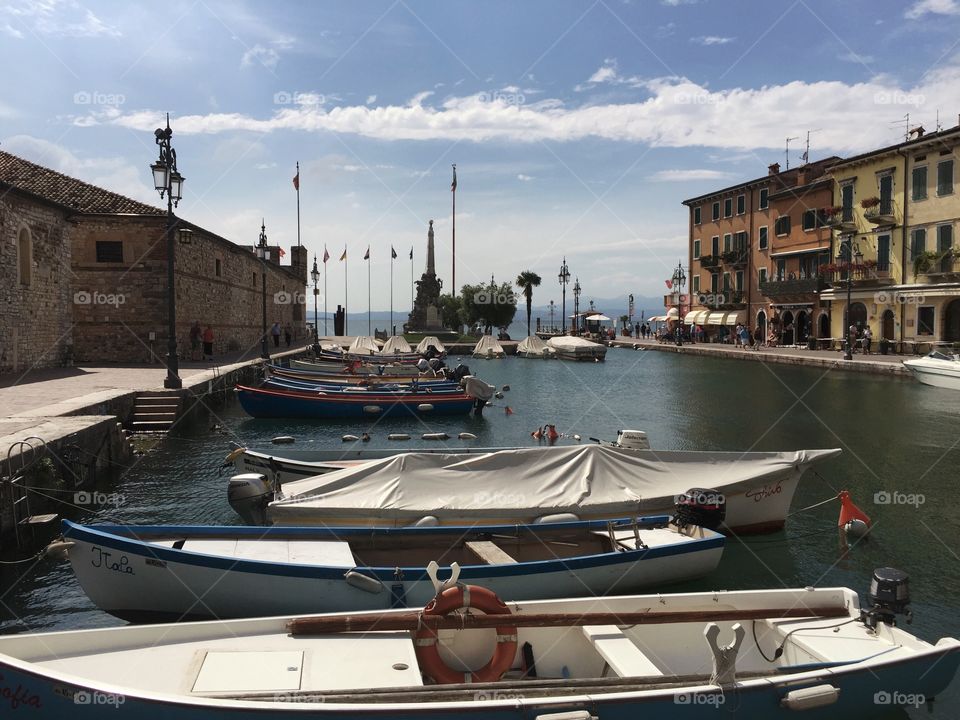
point(275, 333)
point(637, 329)
point(852, 338)
point(208, 343)
point(867, 338)
point(287, 334)
point(195, 334)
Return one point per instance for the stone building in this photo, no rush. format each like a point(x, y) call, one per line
point(83, 270)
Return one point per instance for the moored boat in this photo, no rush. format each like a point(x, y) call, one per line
point(936, 369)
point(570, 347)
point(534, 347)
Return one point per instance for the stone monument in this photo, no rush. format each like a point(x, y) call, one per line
point(425, 315)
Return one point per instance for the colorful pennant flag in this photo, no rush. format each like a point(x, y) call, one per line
point(296, 181)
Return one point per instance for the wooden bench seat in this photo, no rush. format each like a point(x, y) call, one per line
point(620, 652)
point(489, 552)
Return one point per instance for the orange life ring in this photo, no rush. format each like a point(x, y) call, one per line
point(450, 600)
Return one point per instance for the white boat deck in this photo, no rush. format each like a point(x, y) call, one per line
point(332, 553)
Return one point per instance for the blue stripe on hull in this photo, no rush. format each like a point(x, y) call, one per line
point(287, 405)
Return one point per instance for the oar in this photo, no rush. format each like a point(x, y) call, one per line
point(415, 621)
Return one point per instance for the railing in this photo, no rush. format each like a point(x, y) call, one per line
point(735, 257)
point(792, 286)
point(710, 260)
point(882, 214)
point(935, 264)
point(858, 273)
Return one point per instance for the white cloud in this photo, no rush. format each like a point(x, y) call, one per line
point(524, 178)
point(371, 99)
point(675, 3)
point(608, 74)
point(677, 113)
point(665, 31)
point(690, 175)
point(932, 7)
point(856, 58)
point(61, 18)
point(261, 55)
point(604, 74)
point(708, 40)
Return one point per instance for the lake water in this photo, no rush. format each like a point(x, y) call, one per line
point(899, 438)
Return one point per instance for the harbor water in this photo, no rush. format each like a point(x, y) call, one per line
point(900, 455)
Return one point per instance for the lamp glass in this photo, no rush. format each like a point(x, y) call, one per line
point(186, 236)
point(176, 186)
point(160, 171)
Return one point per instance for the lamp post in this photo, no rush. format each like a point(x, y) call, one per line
point(576, 306)
point(315, 276)
point(262, 254)
point(853, 257)
point(551, 316)
point(564, 279)
point(168, 181)
point(679, 280)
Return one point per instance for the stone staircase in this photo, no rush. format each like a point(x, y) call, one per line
point(155, 411)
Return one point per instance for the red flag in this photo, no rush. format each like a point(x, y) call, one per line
point(326, 255)
point(296, 181)
point(282, 251)
point(669, 284)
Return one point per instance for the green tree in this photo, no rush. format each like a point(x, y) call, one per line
point(491, 305)
point(527, 281)
point(451, 312)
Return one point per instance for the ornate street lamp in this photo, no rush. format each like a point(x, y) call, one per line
point(262, 254)
point(850, 252)
point(679, 280)
point(576, 306)
point(168, 181)
point(564, 279)
point(551, 316)
point(315, 276)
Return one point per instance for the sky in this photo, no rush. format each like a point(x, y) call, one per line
point(577, 128)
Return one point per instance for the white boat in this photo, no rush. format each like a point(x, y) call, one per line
point(363, 345)
point(488, 347)
point(530, 485)
point(570, 347)
point(174, 572)
point(425, 344)
point(936, 369)
point(534, 347)
point(395, 345)
point(609, 658)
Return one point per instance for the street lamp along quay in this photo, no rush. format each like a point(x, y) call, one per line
point(564, 280)
point(576, 306)
point(262, 254)
point(850, 252)
point(169, 182)
point(679, 280)
point(315, 276)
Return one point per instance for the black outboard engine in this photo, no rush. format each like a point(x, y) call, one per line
point(889, 596)
point(702, 507)
point(459, 372)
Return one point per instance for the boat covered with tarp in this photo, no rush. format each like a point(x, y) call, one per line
point(534, 347)
point(488, 347)
point(363, 345)
point(570, 347)
point(396, 345)
point(429, 341)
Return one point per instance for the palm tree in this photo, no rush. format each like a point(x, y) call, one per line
point(527, 281)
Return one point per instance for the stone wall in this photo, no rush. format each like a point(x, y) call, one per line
point(35, 315)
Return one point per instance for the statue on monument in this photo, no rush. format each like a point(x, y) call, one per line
point(426, 307)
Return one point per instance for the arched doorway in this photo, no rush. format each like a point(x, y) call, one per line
point(788, 327)
point(824, 331)
point(762, 326)
point(858, 316)
point(886, 325)
point(951, 323)
point(802, 326)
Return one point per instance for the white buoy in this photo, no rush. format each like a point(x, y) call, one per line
point(283, 440)
point(372, 409)
point(350, 438)
point(424, 407)
point(398, 436)
point(467, 436)
point(577, 438)
point(856, 529)
point(435, 436)
point(498, 395)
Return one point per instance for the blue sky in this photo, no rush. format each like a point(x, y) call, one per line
point(577, 127)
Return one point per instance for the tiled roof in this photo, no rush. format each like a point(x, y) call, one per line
point(66, 191)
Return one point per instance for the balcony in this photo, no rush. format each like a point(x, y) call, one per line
point(723, 300)
point(735, 258)
point(838, 218)
point(938, 267)
point(710, 261)
point(861, 274)
point(793, 287)
point(883, 213)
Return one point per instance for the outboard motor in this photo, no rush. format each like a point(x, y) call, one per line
point(422, 365)
point(701, 507)
point(459, 372)
point(249, 494)
point(632, 440)
point(889, 596)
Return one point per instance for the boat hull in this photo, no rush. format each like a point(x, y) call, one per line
point(265, 403)
point(937, 373)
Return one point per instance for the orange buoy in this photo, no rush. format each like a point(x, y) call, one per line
point(453, 599)
point(552, 433)
point(849, 511)
point(508, 410)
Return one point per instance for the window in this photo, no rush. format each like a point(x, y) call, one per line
point(809, 219)
point(781, 269)
point(696, 215)
point(726, 242)
point(782, 225)
point(764, 202)
point(919, 183)
point(714, 283)
point(218, 268)
point(696, 249)
point(254, 278)
point(918, 241)
point(886, 194)
point(696, 284)
point(945, 177)
point(846, 202)
point(762, 275)
point(716, 211)
point(24, 257)
point(738, 280)
point(883, 253)
point(925, 319)
point(763, 241)
point(109, 251)
point(715, 245)
point(726, 282)
point(728, 207)
point(944, 243)
point(741, 204)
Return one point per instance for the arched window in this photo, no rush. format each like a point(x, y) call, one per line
point(24, 257)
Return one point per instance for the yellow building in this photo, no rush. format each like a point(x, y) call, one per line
point(893, 208)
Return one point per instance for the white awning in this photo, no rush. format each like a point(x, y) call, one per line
point(672, 313)
point(597, 318)
point(787, 253)
point(734, 318)
point(716, 318)
point(657, 318)
point(696, 317)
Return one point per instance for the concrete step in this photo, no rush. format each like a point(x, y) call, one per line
point(159, 399)
point(166, 407)
point(154, 416)
point(151, 425)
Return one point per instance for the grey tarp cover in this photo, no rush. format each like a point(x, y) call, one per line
point(396, 344)
point(427, 342)
point(488, 346)
point(583, 479)
point(364, 345)
point(532, 346)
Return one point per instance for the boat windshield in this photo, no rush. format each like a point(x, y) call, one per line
point(937, 355)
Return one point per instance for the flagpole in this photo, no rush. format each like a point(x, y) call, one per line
point(453, 275)
point(298, 205)
point(369, 309)
point(391, 290)
point(326, 330)
point(346, 294)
